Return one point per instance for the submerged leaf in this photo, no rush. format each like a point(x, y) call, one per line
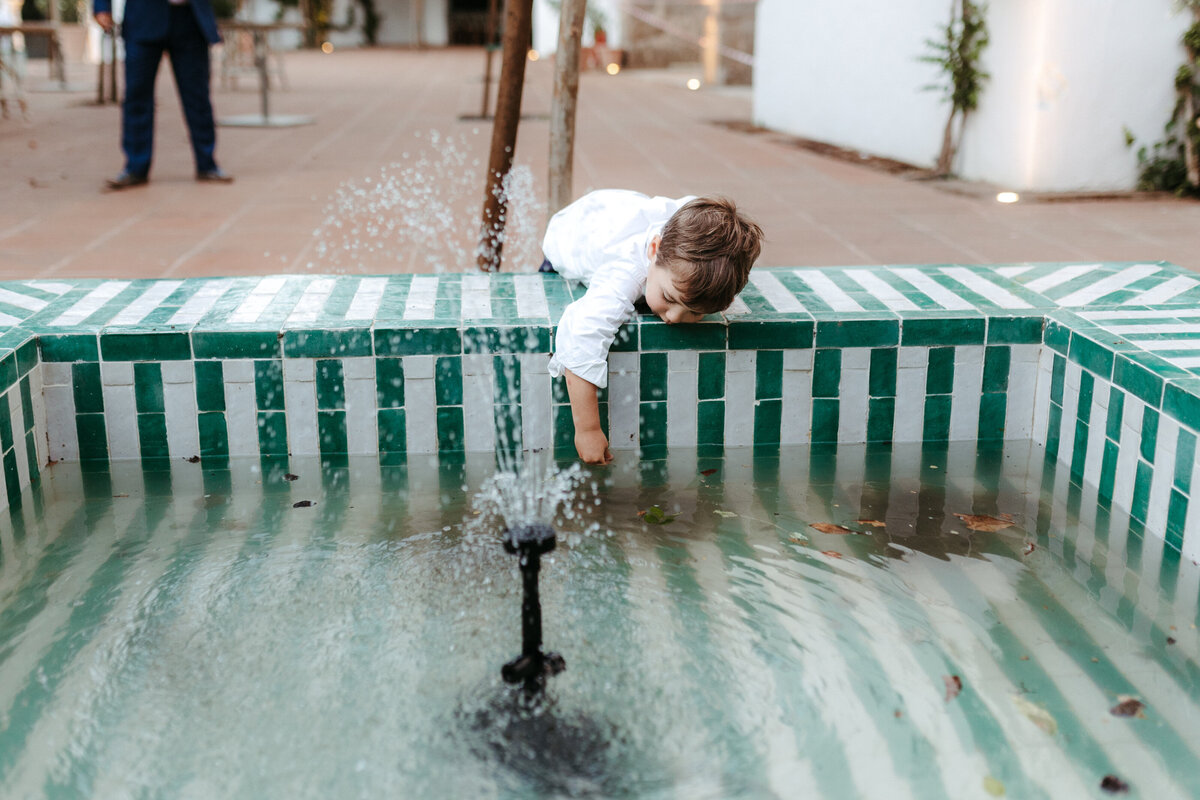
point(874, 523)
point(993, 786)
point(707, 472)
point(303, 504)
point(1037, 715)
point(1029, 548)
point(290, 477)
point(193, 459)
point(722, 513)
point(1128, 707)
point(829, 527)
point(982, 522)
point(1114, 785)
point(953, 686)
point(831, 553)
point(656, 516)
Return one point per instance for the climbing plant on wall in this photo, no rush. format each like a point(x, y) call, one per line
point(958, 53)
point(1173, 164)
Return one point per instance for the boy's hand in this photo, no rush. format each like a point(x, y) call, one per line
point(592, 447)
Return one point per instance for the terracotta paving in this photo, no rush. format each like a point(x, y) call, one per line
point(378, 114)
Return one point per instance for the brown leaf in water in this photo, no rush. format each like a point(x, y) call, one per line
point(1128, 707)
point(707, 472)
point(953, 686)
point(193, 459)
point(831, 553)
point(290, 477)
point(303, 504)
point(1170, 640)
point(982, 522)
point(1029, 548)
point(829, 527)
point(874, 523)
point(1114, 785)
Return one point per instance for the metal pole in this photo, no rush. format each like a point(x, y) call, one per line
point(562, 111)
point(504, 131)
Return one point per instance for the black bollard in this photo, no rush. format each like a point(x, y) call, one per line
point(532, 667)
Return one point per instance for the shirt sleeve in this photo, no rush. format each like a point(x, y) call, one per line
point(588, 326)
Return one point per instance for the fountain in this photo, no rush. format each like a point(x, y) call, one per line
point(532, 667)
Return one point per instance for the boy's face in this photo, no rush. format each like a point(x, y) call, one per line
point(663, 297)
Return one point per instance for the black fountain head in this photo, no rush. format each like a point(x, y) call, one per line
point(529, 539)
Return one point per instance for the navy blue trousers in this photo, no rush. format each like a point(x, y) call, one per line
point(188, 50)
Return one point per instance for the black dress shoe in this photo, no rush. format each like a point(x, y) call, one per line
point(124, 181)
point(216, 175)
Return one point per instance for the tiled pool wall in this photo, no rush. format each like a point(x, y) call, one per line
point(1090, 360)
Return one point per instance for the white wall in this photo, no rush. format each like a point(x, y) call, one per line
point(1066, 77)
point(545, 25)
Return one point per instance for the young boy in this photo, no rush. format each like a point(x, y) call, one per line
point(686, 258)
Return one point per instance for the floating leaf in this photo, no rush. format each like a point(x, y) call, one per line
point(953, 686)
point(721, 513)
point(993, 786)
point(829, 527)
point(1114, 785)
point(874, 523)
point(1128, 707)
point(707, 472)
point(656, 516)
point(831, 553)
point(1170, 640)
point(302, 504)
point(1037, 715)
point(1029, 548)
point(193, 459)
point(982, 522)
point(290, 477)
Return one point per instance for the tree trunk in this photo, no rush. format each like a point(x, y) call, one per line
point(562, 111)
point(1191, 158)
point(517, 32)
point(945, 160)
point(712, 44)
point(488, 46)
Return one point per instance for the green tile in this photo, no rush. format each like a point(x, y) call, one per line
point(272, 433)
point(710, 378)
point(1108, 469)
point(148, 387)
point(166, 346)
point(881, 418)
point(210, 386)
point(31, 458)
point(507, 339)
point(997, 362)
point(558, 390)
point(448, 385)
point(768, 414)
point(393, 436)
point(857, 332)
point(6, 428)
point(327, 343)
point(993, 413)
point(942, 331)
point(1053, 431)
point(1057, 336)
point(27, 418)
point(768, 375)
point(652, 425)
point(937, 418)
point(510, 435)
point(564, 431)
point(8, 370)
point(331, 433)
point(268, 385)
point(1116, 413)
point(883, 372)
point(1015, 330)
point(710, 422)
point(450, 435)
point(652, 369)
point(1138, 381)
point(12, 479)
point(1079, 448)
point(825, 420)
point(1185, 459)
point(1149, 434)
point(418, 341)
point(626, 340)
point(93, 437)
point(506, 380)
point(69, 347)
point(389, 383)
point(1182, 401)
point(1176, 519)
point(1058, 375)
point(827, 372)
point(152, 435)
point(939, 379)
point(89, 396)
point(1091, 356)
point(791, 335)
point(1083, 405)
point(331, 386)
point(698, 336)
point(27, 355)
point(1141, 491)
point(214, 435)
point(236, 344)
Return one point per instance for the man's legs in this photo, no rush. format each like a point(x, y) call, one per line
point(190, 62)
point(137, 112)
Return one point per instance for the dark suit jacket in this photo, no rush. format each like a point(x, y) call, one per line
point(146, 20)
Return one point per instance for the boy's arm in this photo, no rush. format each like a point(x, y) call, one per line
point(590, 441)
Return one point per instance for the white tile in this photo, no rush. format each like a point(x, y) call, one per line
point(90, 303)
point(984, 287)
point(798, 359)
point(194, 309)
point(775, 293)
point(968, 388)
point(1166, 443)
point(1191, 528)
point(366, 299)
point(149, 300)
point(422, 296)
point(358, 369)
point(116, 373)
point(420, 415)
point(418, 368)
point(179, 372)
point(362, 430)
point(1096, 434)
point(1025, 353)
point(624, 394)
point(241, 419)
point(1107, 285)
point(120, 418)
point(56, 373)
point(531, 296)
point(830, 293)
point(61, 436)
point(910, 404)
point(796, 426)
point(308, 308)
point(740, 360)
point(1131, 421)
point(853, 391)
point(623, 362)
point(881, 290)
point(256, 302)
point(238, 370)
point(300, 400)
point(183, 435)
point(912, 357)
point(39, 415)
point(681, 405)
point(477, 364)
point(739, 402)
point(479, 425)
point(476, 300)
point(932, 289)
point(683, 361)
point(1060, 276)
point(18, 437)
point(856, 358)
point(1022, 395)
point(535, 403)
point(295, 370)
point(1164, 476)
point(1127, 458)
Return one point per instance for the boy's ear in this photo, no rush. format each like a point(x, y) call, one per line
point(652, 249)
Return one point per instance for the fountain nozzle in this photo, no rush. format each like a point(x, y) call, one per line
point(533, 666)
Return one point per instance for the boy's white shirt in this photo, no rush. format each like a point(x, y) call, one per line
point(601, 240)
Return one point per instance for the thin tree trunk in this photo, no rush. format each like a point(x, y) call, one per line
point(1191, 158)
point(517, 32)
point(946, 157)
point(488, 47)
point(712, 44)
point(562, 111)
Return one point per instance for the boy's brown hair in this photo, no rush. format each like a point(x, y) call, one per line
point(710, 248)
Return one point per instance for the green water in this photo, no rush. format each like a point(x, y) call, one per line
point(192, 633)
